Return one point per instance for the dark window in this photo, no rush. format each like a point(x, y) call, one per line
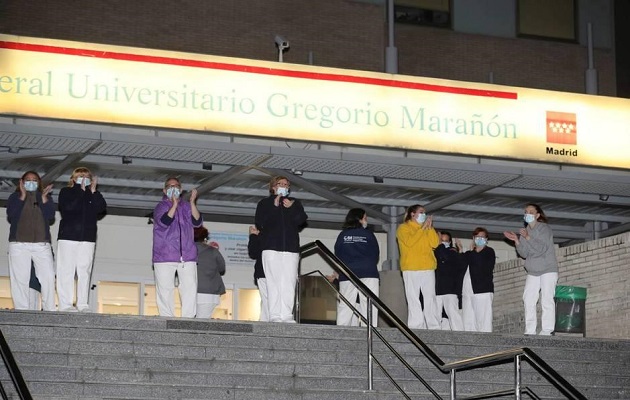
point(547, 19)
point(423, 12)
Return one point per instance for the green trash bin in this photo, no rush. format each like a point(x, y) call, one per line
point(570, 310)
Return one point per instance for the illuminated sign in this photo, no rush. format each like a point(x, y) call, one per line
point(120, 85)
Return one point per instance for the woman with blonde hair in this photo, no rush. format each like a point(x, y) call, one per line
point(416, 240)
point(80, 205)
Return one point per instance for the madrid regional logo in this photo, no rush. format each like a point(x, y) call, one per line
point(561, 129)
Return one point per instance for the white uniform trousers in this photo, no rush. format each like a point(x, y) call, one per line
point(468, 313)
point(345, 315)
point(206, 303)
point(281, 270)
point(482, 308)
point(415, 282)
point(74, 258)
point(21, 255)
point(34, 301)
point(476, 308)
point(264, 299)
point(451, 306)
point(165, 287)
point(544, 284)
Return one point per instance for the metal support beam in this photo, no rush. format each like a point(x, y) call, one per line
point(218, 180)
point(456, 197)
point(327, 194)
point(29, 153)
point(64, 165)
point(615, 230)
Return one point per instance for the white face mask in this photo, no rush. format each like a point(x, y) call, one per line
point(30, 186)
point(364, 224)
point(80, 179)
point(173, 192)
point(446, 244)
point(480, 241)
point(421, 218)
point(529, 218)
point(282, 191)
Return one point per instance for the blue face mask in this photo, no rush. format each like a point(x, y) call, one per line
point(173, 192)
point(529, 218)
point(30, 186)
point(282, 191)
point(80, 179)
point(421, 218)
point(480, 241)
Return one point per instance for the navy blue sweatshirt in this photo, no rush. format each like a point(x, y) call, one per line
point(358, 249)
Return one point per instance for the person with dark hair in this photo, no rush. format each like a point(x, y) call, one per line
point(478, 287)
point(535, 244)
point(210, 268)
point(416, 240)
point(80, 205)
point(449, 277)
point(280, 218)
point(174, 249)
point(31, 211)
point(255, 252)
point(357, 248)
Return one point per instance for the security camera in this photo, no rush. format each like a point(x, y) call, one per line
point(281, 42)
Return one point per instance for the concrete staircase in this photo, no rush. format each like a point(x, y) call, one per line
point(67, 356)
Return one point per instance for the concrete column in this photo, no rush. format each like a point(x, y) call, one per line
point(392, 290)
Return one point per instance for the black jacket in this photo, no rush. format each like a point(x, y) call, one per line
point(451, 268)
point(280, 226)
point(255, 253)
point(481, 267)
point(79, 210)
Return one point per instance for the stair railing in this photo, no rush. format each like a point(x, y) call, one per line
point(14, 372)
point(513, 355)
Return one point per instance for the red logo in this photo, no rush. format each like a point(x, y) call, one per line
point(561, 127)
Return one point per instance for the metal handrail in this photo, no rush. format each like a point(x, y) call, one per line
point(544, 369)
point(14, 372)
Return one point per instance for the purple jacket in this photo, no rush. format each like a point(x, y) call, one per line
point(173, 238)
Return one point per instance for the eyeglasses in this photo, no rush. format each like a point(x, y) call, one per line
point(173, 186)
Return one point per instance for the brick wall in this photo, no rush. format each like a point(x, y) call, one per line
point(602, 266)
point(339, 33)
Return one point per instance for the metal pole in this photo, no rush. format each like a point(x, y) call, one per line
point(369, 346)
point(391, 52)
point(453, 386)
point(517, 377)
point(591, 72)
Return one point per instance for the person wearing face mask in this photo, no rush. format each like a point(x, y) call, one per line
point(30, 212)
point(449, 277)
point(416, 241)
point(80, 205)
point(174, 249)
point(280, 218)
point(535, 244)
point(357, 248)
point(210, 268)
point(478, 287)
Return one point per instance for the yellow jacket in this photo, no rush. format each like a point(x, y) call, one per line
point(416, 247)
